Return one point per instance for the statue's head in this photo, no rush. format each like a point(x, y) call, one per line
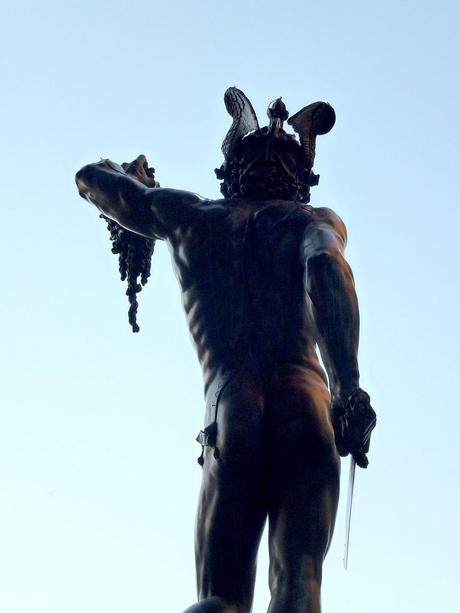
point(268, 162)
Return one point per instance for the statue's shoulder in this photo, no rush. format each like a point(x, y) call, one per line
point(211, 216)
point(328, 216)
point(226, 208)
point(220, 203)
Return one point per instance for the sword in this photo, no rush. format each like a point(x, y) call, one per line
point(351, 484)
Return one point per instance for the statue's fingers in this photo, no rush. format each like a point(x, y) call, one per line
point(360, 458)
point(141, 160)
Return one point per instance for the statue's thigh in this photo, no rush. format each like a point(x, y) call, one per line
point(232, 507)
point(305, 468)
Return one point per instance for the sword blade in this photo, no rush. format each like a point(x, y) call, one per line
point(351, 486)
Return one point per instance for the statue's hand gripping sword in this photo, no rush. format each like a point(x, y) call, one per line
point(353, 424)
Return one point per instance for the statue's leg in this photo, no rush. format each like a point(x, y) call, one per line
point(232, 507)
point(304, 490)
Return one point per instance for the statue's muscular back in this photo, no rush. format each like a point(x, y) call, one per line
point(241, 265)
point(242, 277)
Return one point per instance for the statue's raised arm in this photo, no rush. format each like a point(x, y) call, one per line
point(137, 212)
point(128, 195)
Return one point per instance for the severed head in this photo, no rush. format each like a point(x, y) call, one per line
point(268, 162)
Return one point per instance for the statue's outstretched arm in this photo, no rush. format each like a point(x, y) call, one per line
point(333, 309)
point(125, 197)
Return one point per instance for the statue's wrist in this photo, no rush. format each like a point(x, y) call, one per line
point(341, 395)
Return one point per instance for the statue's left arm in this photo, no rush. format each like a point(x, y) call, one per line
point(333, 310)
point(125, 195)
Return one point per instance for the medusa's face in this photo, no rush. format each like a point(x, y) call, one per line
point(270, 165)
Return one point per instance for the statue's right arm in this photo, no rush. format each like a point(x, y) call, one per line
point(152, 212)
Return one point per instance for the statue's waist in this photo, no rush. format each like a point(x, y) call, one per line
point(265, 371)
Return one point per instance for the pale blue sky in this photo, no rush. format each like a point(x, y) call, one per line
point(98, 469)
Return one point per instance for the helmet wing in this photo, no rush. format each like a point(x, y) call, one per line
point(309, 122)
point(244, 119)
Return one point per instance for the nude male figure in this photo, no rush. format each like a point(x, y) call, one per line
point(264, 280)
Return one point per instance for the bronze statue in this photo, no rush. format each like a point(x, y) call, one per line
point(264, 281)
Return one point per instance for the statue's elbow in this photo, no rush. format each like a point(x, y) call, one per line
point(82, 180)
point(91, 183)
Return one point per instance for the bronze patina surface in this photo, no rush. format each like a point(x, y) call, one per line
point(264, 283)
